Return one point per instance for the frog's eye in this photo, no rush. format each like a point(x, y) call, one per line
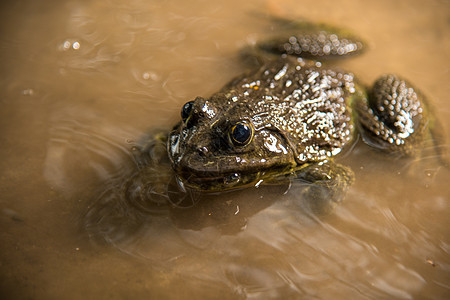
point(186, 110)
point(241, 133)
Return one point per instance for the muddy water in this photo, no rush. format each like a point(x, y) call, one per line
point(84, 81)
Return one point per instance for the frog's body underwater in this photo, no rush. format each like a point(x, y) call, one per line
point(291, 116)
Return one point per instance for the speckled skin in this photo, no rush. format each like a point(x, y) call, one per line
point(307, 105)
point(397, 116)
point(302, 115)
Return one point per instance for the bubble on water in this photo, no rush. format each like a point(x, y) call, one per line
point(150, 75)
point(28, 92)
point(66, 45)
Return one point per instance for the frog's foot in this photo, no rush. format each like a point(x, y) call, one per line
point(154, 185)
point(313, 41)
point(326, 186)
point(397, 118)
point(152, 152)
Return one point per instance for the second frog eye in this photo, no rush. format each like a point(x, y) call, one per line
point(186, 110)
point(241, 133)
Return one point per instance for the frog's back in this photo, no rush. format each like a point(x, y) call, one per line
point(308, 104)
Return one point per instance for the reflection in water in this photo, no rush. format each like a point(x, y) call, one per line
point(154, 194)
point(259, 241)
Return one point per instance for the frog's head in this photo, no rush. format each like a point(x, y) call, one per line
point(222, 143)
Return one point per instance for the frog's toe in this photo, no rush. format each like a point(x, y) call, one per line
point(320, 199)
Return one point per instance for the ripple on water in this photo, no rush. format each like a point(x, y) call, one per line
point(257, 242)
point(261, 242)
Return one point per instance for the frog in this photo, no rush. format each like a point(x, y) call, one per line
point(289, 118)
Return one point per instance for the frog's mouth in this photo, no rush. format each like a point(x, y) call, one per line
point(224, 173)
point(211, 183)
point(227, 181)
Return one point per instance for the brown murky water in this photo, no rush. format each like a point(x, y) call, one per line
point(83, 81)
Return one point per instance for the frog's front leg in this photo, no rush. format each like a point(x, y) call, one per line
point(322, 185)
point(397, 118)
point(149, 186)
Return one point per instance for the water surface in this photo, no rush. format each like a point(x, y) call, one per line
point(83, 82)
